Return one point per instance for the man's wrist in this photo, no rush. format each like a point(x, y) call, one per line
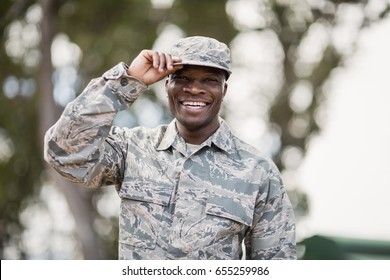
point(120, 82)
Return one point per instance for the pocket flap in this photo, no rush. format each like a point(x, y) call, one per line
point(147, 190)
point(236, 209)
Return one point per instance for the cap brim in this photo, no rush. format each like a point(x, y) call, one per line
point(199, 63)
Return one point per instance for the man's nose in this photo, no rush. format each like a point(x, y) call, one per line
point(194, 87)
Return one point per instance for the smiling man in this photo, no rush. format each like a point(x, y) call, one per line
point(190, 189)
point(195, 95)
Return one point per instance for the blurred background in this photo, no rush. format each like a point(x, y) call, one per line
point(310, 88)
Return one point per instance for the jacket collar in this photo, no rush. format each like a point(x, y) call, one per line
point(222, 138)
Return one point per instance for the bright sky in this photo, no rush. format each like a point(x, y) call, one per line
point(347, 171)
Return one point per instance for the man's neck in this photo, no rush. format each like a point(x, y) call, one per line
point(196, 136)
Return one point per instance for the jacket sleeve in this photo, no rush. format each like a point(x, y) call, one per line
point(273, 233)
point(82, 146)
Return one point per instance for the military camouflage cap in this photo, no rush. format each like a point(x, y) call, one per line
point(202, 51)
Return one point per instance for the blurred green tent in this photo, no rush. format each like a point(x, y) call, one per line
point(322, 247)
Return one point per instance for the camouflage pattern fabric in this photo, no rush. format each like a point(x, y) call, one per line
point(203, 51)
point(175, 204)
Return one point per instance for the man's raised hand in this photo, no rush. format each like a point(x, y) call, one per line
point(152, 66)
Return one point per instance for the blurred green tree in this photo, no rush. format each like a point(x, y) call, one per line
point(105, 33)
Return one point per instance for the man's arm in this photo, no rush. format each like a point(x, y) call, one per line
point(75, 145)
point(273, 232)
point(80, 146)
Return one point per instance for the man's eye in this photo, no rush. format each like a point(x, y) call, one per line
point(179, 77)
point(212, 80)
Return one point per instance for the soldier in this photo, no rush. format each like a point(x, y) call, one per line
point(190, 189)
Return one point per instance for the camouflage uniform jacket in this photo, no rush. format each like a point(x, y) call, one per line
point(175, 204)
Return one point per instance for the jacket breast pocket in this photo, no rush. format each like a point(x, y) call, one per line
point(228, 220)
point(142, 204)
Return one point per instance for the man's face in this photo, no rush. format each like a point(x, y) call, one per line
point(195, 95)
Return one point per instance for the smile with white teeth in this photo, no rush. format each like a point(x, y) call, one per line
point(196, 104)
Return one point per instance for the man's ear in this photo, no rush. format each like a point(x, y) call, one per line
point(225, 88)
point(166, 85)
